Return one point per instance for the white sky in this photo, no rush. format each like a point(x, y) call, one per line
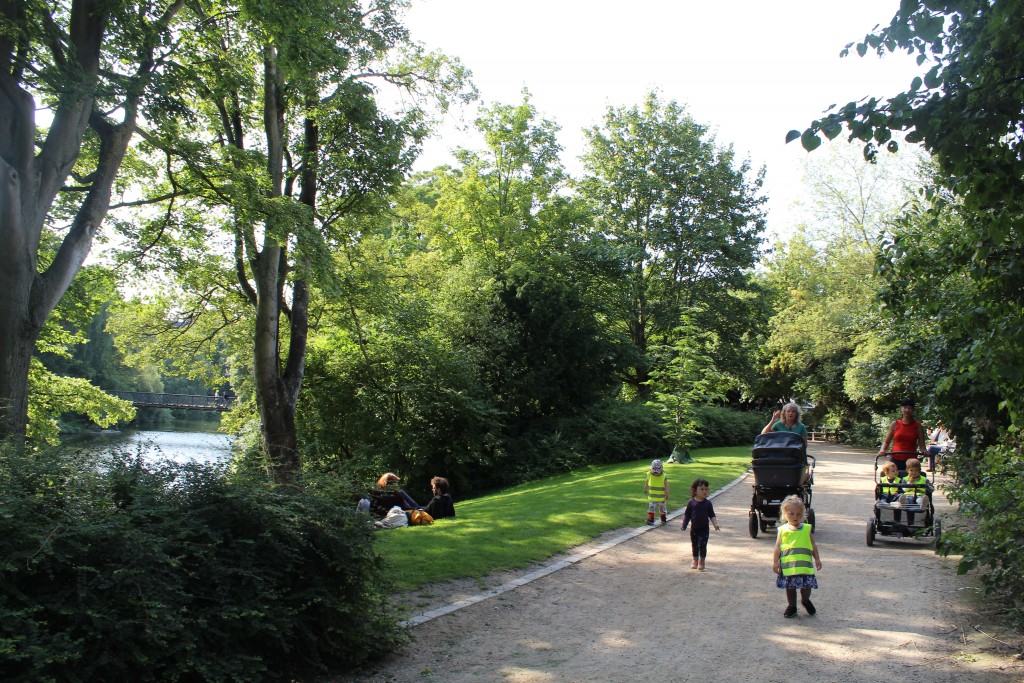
point(750, 69)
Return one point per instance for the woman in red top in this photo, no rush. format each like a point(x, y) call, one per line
point(906, 436)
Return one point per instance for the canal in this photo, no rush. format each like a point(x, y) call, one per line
point(188, 441)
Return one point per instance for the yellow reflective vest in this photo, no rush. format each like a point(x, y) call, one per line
point(890, 490)
point(796, 556)
point(920, 490)
point(656, 487)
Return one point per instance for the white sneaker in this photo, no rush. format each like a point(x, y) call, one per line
point(902, 499)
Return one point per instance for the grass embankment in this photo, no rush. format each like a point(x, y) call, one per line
point(514, 527)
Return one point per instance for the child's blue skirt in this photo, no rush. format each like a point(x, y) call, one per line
point(797, 581)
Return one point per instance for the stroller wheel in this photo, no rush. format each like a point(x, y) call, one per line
point(752, 524)
point(937, 530)
point(810, 520)
point(871, 532)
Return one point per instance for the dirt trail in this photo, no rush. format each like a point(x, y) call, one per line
point(892, 612)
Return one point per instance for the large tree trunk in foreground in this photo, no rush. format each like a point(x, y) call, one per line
point(33, 173)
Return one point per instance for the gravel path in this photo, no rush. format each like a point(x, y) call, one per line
point(636, 611)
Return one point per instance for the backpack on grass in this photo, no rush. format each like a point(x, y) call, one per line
point(418, 517)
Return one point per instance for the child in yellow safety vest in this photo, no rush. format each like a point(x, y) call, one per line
point(796, 557)
point(889, 490)
point(656, 489)
point(889, 481)
point(919, 494)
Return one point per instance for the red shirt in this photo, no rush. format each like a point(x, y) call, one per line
point(904, 438)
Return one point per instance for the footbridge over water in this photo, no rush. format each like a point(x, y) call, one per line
point(142, 399)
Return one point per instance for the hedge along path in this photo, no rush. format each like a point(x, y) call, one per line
point(634, 609)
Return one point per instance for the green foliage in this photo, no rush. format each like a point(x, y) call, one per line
point(684, 221)
point(722, 426)
point(822, 316)
point(289, 149)
point(608, 432)
point(172, 572)
point(503, 205)
point(471, 340)
point(867, 434)
point(964, 111)
point(685, 376)
point(530, 522)
point(541, 351)
point(954, 262)
point(52, 396)
point(990, 492)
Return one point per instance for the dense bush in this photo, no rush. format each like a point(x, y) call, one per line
point(608, 432)
point(179, 573)
point(866, 434)
point(720, 426)
point(990, 491)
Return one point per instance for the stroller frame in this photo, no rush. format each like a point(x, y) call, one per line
point(889, 528)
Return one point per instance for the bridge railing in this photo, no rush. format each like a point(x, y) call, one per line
point(143, 399)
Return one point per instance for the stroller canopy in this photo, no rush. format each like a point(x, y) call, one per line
point(779, 440)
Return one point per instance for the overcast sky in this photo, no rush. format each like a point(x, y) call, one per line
point(750, 69)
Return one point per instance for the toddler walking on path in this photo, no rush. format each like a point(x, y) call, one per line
point(700, 516)
point(656, 488)
point(792, 560)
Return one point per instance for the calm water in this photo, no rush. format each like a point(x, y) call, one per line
point(177, 446)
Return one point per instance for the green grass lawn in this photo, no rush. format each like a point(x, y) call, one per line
point(512, 528)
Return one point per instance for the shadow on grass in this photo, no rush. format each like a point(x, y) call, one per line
point(513, 528)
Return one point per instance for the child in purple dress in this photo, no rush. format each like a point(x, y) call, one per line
point(699, 516)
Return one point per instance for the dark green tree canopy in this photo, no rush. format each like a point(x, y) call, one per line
point(684, 217)
point(965, 109)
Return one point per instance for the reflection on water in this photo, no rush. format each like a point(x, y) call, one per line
point(164, 445)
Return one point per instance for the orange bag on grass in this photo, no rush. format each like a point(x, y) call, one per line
point(418, 517)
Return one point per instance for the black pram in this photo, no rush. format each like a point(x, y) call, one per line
point(781, 469)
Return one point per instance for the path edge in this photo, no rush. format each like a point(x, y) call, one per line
point(553, 567)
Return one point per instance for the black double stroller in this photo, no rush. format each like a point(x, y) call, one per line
point(781, 469)
point(893, 519)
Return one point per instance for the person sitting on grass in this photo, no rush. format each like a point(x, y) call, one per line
point(441, 505)
point(388, 495)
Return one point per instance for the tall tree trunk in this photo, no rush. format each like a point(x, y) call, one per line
point(28, 185)
point(277, 383)
point(275, 402)
point(28, 297)
point(31, 180)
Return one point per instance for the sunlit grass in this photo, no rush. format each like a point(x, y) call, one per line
point(512, 528)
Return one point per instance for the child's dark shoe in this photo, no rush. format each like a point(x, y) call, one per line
point(809, 606)
point(790, 612)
